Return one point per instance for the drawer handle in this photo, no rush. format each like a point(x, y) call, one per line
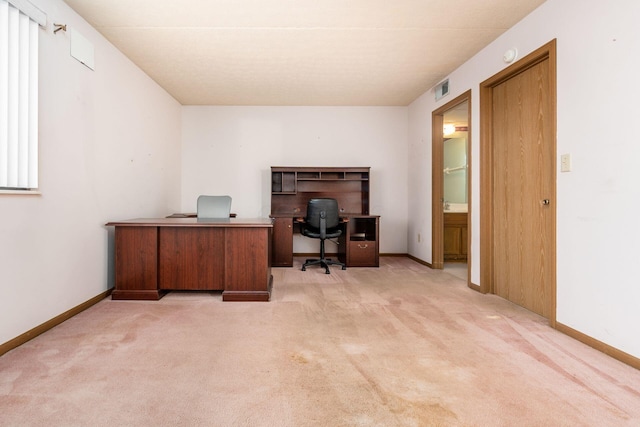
point(363, 247)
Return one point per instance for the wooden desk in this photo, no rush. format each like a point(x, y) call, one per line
point(291, 189)
point(357, 246)
point(153, 256)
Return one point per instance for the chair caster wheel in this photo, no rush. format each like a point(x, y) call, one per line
point(304, 269)
point(344, 267)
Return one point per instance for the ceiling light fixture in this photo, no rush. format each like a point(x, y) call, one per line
point(448, 129)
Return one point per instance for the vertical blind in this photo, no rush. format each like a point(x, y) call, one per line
point(18, 99)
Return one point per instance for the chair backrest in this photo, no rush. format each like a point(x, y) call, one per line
point(214, 206)
point(315, 207)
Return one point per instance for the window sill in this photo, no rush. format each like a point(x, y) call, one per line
point(20, 192)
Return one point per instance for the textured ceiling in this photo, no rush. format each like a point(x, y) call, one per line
point(300, 52)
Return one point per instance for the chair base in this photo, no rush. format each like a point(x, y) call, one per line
point(322, 262)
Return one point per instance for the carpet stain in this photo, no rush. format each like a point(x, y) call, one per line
point(7, 381)
point(424, 413)
point(429, 414)
point(299, 358)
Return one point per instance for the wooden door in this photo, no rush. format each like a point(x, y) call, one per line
point(521, 205)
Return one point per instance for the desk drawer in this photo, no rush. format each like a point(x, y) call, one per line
point(362, 253)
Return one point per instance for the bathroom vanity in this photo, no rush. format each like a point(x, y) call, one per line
point(455, 236)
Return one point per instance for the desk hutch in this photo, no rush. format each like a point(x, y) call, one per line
point(291, 189)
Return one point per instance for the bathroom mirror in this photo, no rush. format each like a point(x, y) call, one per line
point(455, 134)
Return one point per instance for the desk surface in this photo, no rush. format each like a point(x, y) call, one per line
point(345, 216)
point(193, 215)
point(194, 222)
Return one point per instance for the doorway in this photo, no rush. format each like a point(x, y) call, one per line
point(451, 148)
point(517, 181)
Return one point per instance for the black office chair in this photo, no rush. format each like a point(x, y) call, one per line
point(322, 222)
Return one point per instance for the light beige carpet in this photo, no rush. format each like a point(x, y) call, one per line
point(399, 345)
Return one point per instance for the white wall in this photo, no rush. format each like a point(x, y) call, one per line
point(229, 150)
point(598, 243)
point(109, 150)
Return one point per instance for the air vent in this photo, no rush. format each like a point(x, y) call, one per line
point(442, 89)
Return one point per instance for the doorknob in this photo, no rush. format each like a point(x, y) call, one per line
point(545, 202)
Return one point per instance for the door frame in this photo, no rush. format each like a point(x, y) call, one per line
point(548, 51)
point(437, 182)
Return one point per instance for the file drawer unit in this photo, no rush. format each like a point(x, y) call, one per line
point(361, 241)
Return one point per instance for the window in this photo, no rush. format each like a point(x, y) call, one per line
point(19, 21)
